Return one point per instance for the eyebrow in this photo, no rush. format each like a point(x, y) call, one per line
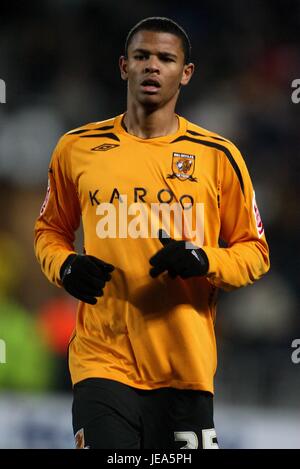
point(161, 53)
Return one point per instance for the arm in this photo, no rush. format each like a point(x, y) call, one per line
point(59, 218)
point(83, 276)
point(246, 258)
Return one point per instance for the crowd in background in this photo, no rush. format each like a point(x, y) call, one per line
point(59, 60)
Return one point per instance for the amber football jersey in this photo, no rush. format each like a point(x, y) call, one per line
point(144, 332)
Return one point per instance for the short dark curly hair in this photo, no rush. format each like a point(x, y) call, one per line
point(161, 25)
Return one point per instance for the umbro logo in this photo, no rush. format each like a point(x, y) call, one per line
point(105, 147)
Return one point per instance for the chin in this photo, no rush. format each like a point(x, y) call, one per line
point(150, 100)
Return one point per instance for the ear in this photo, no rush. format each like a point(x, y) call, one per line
point(123, 67)
point(187, 73)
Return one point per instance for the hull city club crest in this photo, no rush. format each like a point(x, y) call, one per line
point(183, 166)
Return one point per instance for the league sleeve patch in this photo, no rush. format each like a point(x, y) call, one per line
point(258, 220)
point(45, 203)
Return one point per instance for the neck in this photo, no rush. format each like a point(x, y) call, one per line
point(145, 123)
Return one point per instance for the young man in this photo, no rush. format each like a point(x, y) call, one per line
point(155, 193)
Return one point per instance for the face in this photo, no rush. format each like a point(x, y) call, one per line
point(155, 68)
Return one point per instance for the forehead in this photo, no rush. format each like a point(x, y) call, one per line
point(156, 42)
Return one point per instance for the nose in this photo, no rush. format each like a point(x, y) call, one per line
point(151, 65)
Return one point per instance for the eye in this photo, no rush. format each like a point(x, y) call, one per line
point(166, 58)
point(140, 57)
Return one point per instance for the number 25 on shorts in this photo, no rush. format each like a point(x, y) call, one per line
point(191, 439)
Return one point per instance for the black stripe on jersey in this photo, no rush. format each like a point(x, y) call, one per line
point(192, 132)
point(106, 127)
point(108, 135)
point(218, 147)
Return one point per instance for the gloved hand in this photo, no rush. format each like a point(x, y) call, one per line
point(177, 259)
point(85, 276)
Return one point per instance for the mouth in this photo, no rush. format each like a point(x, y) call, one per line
point(150, 85)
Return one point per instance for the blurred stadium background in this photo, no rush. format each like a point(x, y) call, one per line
point(59, 60)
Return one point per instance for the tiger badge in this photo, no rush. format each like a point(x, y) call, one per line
point(183, 166)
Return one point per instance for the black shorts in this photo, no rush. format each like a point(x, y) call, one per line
point(108, 414)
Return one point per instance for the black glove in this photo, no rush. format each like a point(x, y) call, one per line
point(177, 259)
point(85, 276)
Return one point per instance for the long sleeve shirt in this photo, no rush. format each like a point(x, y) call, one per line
point(144, 332)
